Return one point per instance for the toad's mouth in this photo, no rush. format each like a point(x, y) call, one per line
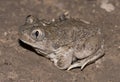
point(38, 50)
point(26, 42)
point(41, 52)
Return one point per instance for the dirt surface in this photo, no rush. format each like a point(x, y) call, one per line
point(18, 64)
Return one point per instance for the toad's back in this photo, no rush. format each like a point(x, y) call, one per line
point(72, 30)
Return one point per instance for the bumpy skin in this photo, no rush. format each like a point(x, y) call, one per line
point(68, 42)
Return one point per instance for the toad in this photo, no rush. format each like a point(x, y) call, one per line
point(67, 42)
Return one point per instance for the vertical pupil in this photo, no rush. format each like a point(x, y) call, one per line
point(36, 34)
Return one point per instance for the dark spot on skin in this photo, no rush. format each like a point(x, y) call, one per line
point(56, 46)
point(92, 48)
point(60, 62)
point(83, 45)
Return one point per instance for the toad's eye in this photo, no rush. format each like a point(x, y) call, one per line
point(37, 34)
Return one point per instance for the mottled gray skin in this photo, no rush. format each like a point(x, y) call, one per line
point(67, 42)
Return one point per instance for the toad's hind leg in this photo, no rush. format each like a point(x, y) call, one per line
point(90, 59)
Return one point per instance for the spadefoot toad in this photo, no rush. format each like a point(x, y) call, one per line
point(66, 41)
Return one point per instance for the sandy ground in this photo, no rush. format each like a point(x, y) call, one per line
point(18, 64)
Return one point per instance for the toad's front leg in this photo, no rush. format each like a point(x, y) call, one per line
point(62, 57)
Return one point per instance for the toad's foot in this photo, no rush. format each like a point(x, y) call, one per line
point(80, 64)
point(90, 59)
